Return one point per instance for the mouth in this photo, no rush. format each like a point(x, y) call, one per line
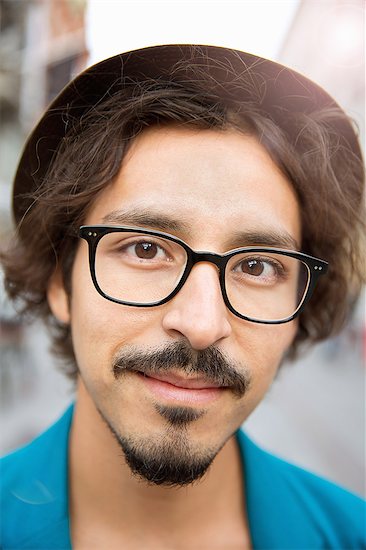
point(172, 387)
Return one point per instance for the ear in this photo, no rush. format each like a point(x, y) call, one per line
point(57, 298)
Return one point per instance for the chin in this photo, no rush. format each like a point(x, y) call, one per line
point(171, 456)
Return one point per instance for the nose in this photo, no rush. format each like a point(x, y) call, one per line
point(198, 311)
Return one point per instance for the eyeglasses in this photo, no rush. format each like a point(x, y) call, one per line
point(142, 268)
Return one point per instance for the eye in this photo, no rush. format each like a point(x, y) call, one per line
point(266, 270)
point(254, 267)
point(146, 250)
point(140, 250)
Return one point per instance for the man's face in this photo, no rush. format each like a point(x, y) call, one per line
point(204, 187)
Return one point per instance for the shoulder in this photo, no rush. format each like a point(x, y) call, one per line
point(34, 486)
point(307, 506)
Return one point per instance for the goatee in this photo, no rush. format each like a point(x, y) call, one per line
point(171, 459)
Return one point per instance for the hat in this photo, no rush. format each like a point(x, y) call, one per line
point(280, 90)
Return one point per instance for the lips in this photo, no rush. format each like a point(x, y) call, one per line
point(185, 383)
point(175, 389)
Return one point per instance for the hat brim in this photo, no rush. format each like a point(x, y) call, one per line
point(280, 90)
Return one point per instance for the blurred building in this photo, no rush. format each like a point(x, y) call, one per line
point(326, 42)
point(42, 46)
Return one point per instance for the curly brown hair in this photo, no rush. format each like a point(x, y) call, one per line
point(326, 175)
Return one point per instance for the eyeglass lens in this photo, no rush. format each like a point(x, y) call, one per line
point(144, 269)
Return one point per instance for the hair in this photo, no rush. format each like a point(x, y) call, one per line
point(326, 175)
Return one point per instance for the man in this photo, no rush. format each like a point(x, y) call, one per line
point(176, 208)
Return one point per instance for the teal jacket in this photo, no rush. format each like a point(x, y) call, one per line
point(288, 508)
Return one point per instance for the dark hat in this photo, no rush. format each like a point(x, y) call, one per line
point(279, 90)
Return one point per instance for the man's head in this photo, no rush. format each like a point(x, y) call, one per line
point(186, 155)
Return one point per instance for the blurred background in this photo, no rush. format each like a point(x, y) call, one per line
point(314, 415)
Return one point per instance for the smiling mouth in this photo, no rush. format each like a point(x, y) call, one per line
point(173, 387)
point(195, 383)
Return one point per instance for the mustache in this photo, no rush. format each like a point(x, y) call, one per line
point(211, 363)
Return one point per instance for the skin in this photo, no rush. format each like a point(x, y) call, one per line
point(217, 182)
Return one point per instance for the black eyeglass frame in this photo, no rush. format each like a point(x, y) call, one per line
point(93, 234)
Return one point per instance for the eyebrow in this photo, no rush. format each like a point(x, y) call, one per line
point(161, 222)
point(266, 237)
point(146, 218)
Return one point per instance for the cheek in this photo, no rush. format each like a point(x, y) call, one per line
point(265, 346)
point(93, 321)
point(276, 339)
point(100, 327)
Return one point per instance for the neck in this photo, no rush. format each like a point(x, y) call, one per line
point(103, 489)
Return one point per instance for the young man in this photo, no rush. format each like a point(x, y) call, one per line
point(176, 207)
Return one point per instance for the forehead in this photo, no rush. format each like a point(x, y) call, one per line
point(201, 182)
